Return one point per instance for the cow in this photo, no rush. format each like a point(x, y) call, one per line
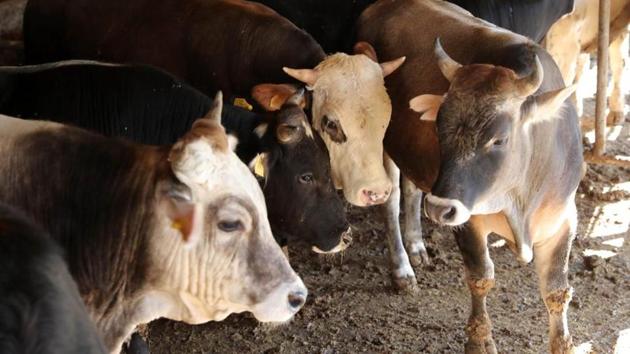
point(40, 307)
point(175, 231)
point(497, 146)
point(574, 37)
point(149, 106)
point(331, 22)
point(233, 45)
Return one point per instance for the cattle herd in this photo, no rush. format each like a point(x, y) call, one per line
point(156, 155)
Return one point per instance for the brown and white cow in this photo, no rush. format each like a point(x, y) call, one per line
point(233, 45)
point(178, 231)
point(505, 156)
point(572, 39)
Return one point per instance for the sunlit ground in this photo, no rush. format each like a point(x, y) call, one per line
point(609, 222)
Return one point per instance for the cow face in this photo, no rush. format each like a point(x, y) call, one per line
point(351, 111)
point(303, 204)
point(483, 131)
point(217, 254)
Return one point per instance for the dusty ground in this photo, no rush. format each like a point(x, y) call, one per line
point(352, 307)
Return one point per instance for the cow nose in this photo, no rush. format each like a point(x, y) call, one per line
point(446, 214)
point(373, 196)
point(297, 300)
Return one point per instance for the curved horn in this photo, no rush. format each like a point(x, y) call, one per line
point(527, 85)
point(447, 65)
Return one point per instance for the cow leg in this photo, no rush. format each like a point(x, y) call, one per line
point(403, 276)
point(551, 260)
point(618, 51)
point(413, 225)
point(480, 279)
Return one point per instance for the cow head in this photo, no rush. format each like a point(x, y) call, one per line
point(216, 253)
point(303, 204)
point(351, 111)
point(483, 128)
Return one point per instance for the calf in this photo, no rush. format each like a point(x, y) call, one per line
point(177, 231)
point(503, 157)
point(149, 106)
point(233, 45)
point(40, 308)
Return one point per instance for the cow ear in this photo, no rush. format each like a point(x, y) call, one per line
point(214, 114)
point(184, 216)
point(259, 164)
point(428, 105)
point(272, 96)
point(545, 105)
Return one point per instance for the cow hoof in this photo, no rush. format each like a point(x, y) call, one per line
point(615, 117)
point(405, 283)
point(137, 345)
point(485, 347)
point(419, 258)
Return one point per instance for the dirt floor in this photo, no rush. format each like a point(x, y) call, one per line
point(352, 307)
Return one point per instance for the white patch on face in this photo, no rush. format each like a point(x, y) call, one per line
point(307, 129)
point(351, 91)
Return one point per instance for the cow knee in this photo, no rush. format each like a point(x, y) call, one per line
point(480, 287)
point(557, 301)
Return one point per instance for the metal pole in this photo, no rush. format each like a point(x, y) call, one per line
point(602, 77)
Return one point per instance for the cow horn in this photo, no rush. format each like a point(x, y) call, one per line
point(527, 85)
point(297, 98)
point(447, 65)
point(217, 106)
point(307, 76)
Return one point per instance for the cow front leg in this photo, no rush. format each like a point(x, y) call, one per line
point(403, 276)
point(618, 51)
point(413, 225)
point(551, 260)
point(480, 280)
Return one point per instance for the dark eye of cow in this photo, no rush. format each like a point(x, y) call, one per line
point(500, 142)
point(333, 129)
point(230, 225)
point(306, 178)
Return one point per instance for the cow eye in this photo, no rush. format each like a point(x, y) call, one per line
point(500, 142)
point(230, 225)
point(330, 125)
point(306, 178)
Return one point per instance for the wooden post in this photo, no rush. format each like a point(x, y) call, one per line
point(602, 77)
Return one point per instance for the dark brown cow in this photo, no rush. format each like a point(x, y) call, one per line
point(178, 231)
point(233, 45)
point(503, 157)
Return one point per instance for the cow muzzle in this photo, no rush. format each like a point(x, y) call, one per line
point(446, 211)
point(281, 304)
point(344, 242)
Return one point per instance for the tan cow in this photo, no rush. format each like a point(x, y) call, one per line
point(574, 37)
point(178, 231)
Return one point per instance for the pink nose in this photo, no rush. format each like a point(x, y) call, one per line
point(374, 197)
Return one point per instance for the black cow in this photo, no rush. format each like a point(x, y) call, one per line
point(148, 105)
point(331, 22)
point(40, 308)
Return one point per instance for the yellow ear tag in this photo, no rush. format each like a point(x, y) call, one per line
point(259, 166)
point(177, 225)
point(241, 102)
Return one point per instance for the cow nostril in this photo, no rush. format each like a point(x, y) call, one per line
point(296, 300)
point(449, 214)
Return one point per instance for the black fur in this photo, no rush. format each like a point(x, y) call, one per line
point(40, 308)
